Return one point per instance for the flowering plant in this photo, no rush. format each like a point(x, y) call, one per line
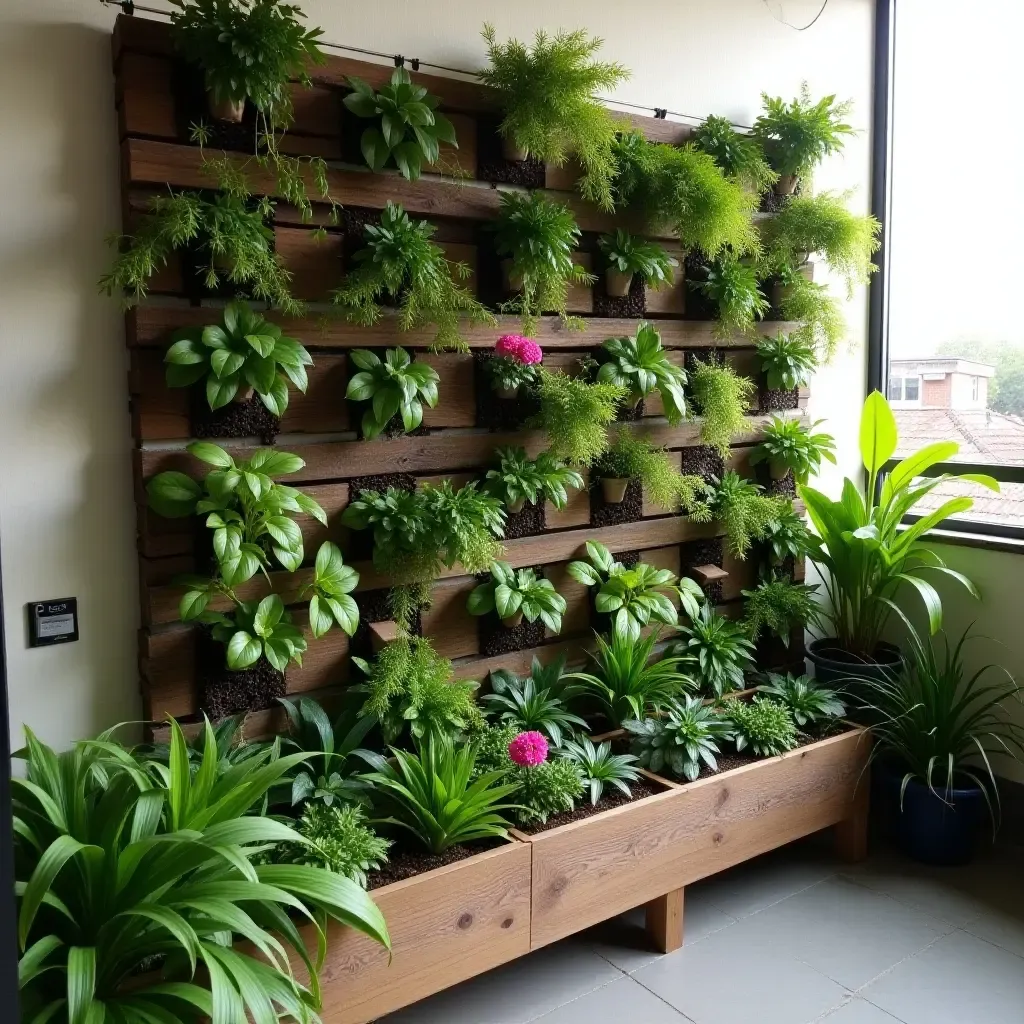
point(514, 361)
point(528, 749)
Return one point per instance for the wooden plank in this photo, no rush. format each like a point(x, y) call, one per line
point(151, 325)
point(446, 925)
point(664, 921)
point(315, 263)
point(447, 622)
point(438, 453)
point(145, 98)
point(591, 870)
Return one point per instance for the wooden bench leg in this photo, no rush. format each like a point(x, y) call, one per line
point(665, 921)
point(851, 834)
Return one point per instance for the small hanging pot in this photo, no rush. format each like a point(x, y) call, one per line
point(243, 395)
point(617, 283)
point(515, 507)
point(614, 489)
point(786, 185)
point(508, 394)
point(513, 278)
point(778, 469)
point(513, 620)
point(227, 110)
point(512, 151)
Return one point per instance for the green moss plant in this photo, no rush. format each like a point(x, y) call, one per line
point(722, 396)
point(575, 415)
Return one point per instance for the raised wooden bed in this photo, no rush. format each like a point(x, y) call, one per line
point(646, 852)
point(446, 925)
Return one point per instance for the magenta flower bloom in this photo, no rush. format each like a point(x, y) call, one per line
point(528, 749)
point(522, 350)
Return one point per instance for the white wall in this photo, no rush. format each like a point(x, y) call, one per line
point(66, 517)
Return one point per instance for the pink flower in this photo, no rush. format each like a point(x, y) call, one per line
point(523, 350)
point(528, 749)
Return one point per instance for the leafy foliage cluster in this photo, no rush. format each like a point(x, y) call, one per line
point(780, 606)
point(718, 649)
point(739, 156)
point(519, 478)
point(575, 415)
point(733, 286)
point(787, 536)
point(808, 702)
point(722, 396)
point(820, 313)
point(549, 788)
point(791, 446)
point(787, 360)
point(745, 511)
point(395, 385)
point(401, 263)
point(762, 724)
point(599, 767)
point(538, 702)
point(547, 95)
point(513, 592)
point(686, 736)
point(640, 364)
point(631, 255)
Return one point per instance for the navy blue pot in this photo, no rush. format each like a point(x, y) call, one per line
point(931, 829)
point(834, 667)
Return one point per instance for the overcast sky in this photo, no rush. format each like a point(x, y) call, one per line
point(958, 181)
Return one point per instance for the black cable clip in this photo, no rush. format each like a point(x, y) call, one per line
point(399, 61)
point(660, 113)
point(415, 61)
point(127, 7)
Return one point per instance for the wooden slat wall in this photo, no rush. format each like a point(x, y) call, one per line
point(319, 425)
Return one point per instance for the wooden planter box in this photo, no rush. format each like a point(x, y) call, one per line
point(446, 925)
point(646, 852)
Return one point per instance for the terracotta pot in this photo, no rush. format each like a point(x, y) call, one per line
point(633, 400)
point(508, 393)
point(242, 395)
point(778, 469)
point(614, 489)
point(786, 185)
point(513, 621)
point(617, 283)
point(511, 151)
point(513, 278)
point(516, 506)
point(227, 110)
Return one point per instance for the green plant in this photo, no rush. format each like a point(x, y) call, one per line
point(684, 189)
point(538, 702)
point(722, 396)
point(780, 606)
point(539, 235)
point(787, 536)
point(548, 788)
point(634, 596)
point(824, 326)
point(338, 839)
point(939, 725)
point(822, 224)
point(790, 447)
point(395, 385)
point(430, 794)
point(807, 701)
point(631, 255)
point(409, 129)
point(738, 155)
point(686, 735)
point(491, 745)
point(520, 479)
point(327, 776)
point(733, 286)
point(575, 415)
point(546, 92)
point(640, 364)
point(600, 767)
point(631, 457)
point(518, 593)
point(764, 725)
point(718, 648)
point(745, 511)
point(254, 630)
point(860, 540)
point(123, 864)
point(409, 685)
point(797, 136)
point(787, 360)
point(246, 352)
point(400, 262)
point(625, 683)
point(248, 49)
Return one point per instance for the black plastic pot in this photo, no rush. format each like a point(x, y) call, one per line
point(835, 667)
point(933, 829)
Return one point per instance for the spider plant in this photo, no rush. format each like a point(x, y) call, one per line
point(599, 766)
point(537, 703)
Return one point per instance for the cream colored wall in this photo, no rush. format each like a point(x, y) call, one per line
point(66, 516)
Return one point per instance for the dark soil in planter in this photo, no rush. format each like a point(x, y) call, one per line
point(236, 419)
point(704, 552)
point(373, 607)
point(784, 488)
point(527, 523)
point(772, 655)
point(585, 809)
point(778, 399)
point(698, 305)
point(395, 428)
point(223, 692)
point(352, 129)
point(191, 106)
point(353, 220)
point(629, 510)
point(492, 165)
point(630, 307)
point(704, 461)
point(494, 412)
point(360, 544)
point(496, 639)
point(405, 860)
point(771, 203)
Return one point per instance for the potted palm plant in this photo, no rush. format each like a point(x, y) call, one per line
point(867, 558)
point(935, 728)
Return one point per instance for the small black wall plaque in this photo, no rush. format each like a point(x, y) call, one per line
point(52, 622)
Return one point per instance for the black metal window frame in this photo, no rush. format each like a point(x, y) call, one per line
point(878, 296)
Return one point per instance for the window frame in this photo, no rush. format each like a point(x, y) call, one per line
point(879, 289)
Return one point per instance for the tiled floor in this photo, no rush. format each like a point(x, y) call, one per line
point(792, 938)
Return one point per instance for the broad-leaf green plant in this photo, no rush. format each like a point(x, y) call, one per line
point(808, 701)
point(515, 594)
point(787, 360)
point(538, 702)
point(396, 385)
point(683, 739)
point(790, 447)
point(640, 364)
point(520, 479)
point(629, 254)
point(733, 287)
point(718, 649)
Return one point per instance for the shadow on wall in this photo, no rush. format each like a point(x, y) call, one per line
point(66, 513)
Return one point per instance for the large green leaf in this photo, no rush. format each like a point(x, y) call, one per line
point(878, 436)
point(173, 494)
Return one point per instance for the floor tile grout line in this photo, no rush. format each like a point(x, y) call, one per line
point(768, 906)
point(912, 906)
point(578, 997)
point(981, 938)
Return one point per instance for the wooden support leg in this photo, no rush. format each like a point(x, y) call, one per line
point(851, 834)
point(665, 921)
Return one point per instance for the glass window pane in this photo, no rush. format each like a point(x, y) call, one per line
point(912, 391)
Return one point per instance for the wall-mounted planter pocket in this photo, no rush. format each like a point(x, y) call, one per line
point(223, 692)
point(194, 105)
point(493, 165)
point(244, 417)
point(604, 512)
